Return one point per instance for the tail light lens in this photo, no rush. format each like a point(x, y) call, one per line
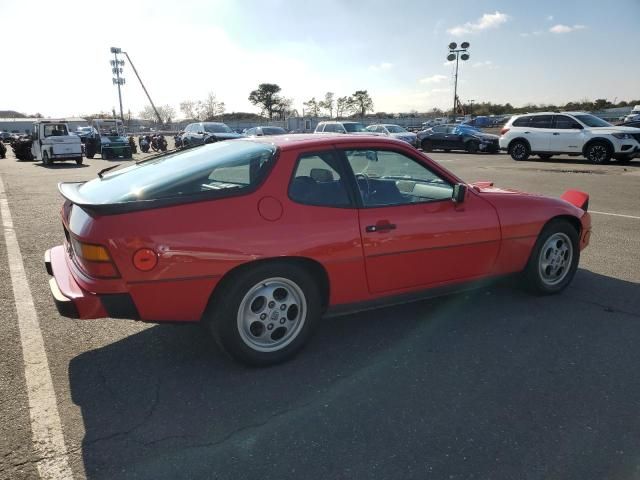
point(504, 130)
point(94, 260)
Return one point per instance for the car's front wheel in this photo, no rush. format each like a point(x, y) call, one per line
point(519, 150)
point(554, 259)
point(598, 153)
point(264, 315)
point(472, 146)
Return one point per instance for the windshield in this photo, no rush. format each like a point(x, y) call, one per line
point(354, 127)
point(55, 130)
point(592, 121)
point(217, 128)
point(273, 131)
point(223, 166)
point(109, 128)
point(467, 129)
point(395, 129)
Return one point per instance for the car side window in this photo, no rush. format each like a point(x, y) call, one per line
point(385, 178)
point(522, 121)
point(316, 181)
point(541, 121)
point(320, 127)
point(440, 129)
point(330, 127)
point(563, 122)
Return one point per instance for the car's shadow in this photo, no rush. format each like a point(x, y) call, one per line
point(60, 165)
point(493, 383)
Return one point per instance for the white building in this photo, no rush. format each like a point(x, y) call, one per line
point(25, 125)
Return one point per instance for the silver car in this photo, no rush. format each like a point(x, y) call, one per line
point(394, 131)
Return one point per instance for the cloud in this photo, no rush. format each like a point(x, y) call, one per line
point(486, 63)
point(381, 66)
point(433, 79)
point(559, 28)
point(485, 22)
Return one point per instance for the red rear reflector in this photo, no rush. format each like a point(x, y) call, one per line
point(145, 259)
point(504, 130)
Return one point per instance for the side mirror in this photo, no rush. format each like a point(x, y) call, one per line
point(459, 192)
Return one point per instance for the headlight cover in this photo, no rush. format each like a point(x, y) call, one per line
point(622, 136)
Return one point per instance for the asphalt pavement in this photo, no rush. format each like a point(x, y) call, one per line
point(491, 384)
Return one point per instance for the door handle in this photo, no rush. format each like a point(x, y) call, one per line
point(527, 132)
point(380, 227)
point(556, 133)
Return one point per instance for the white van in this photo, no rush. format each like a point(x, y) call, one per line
point(52, 141)
point(634, 116)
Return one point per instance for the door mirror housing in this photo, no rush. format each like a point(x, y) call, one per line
point(459, 192)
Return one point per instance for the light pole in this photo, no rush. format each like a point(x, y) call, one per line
point(116, 68)
point(456, 53)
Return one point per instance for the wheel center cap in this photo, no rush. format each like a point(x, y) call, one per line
point(274, 315)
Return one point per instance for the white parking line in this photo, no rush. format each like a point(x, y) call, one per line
point(615, 214)
point(46, 427)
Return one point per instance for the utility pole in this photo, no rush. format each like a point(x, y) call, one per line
point(116, 68)
point(456, 54)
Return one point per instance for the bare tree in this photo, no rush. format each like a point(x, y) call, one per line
point(210, 108)
point(328, 103)
point(313, 107)
point(283, 108)
point(189, 109)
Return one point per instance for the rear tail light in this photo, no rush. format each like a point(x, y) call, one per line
point(94, 259)
point(504, 130)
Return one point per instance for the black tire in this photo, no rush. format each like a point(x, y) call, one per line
point(106, 154)
point(45, 159)
point(598, 153)
point(79, 161)
point(427, 146)
point(519, 150)
point(539, 278)
point(222, 314)
point(472, 146)
point(545, 156)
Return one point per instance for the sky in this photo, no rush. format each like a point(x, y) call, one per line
point(57, 56)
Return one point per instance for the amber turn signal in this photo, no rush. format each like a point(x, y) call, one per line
point(145, 259)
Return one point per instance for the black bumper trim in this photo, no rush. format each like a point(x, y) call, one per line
point(119, 305)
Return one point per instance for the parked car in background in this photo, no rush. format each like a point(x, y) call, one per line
point(634, 115)
point(574, 133)
point(479, 122)
point(107, 138)
point(207, 132)
point(633, 124)
point(83, 133)
point(264, 131)
point(258, 238)
point(341, 127)
point(3, 150)
point(5, 137)
point(394, 131)
point(53, 142)
point(457, 137)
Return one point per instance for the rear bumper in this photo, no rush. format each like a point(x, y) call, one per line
point(73, 301)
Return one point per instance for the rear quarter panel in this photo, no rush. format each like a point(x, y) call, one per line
point(522, 218)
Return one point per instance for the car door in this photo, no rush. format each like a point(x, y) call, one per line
point(539, 132)
point(413, 234)
point(566, 136)
point(453, 138)
point(438, 136)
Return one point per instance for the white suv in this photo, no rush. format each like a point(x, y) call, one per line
point(574, 133)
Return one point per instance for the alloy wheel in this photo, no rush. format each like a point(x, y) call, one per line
point(555, 259)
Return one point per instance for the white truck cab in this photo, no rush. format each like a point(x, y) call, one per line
point(52, 142)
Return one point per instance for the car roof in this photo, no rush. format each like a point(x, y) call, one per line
point(297, 140)
point(340, 121)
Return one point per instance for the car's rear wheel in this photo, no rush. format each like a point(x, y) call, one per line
point(554, 259)
point(265, 315)
point(598, 153)
point(519, 150)
point(545, 156)
point(472, 147)
point(79, 161)
point(427, 146)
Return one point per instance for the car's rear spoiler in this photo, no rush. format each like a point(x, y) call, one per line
point(577, 198)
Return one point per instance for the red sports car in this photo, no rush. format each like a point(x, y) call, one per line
point(258, 239)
